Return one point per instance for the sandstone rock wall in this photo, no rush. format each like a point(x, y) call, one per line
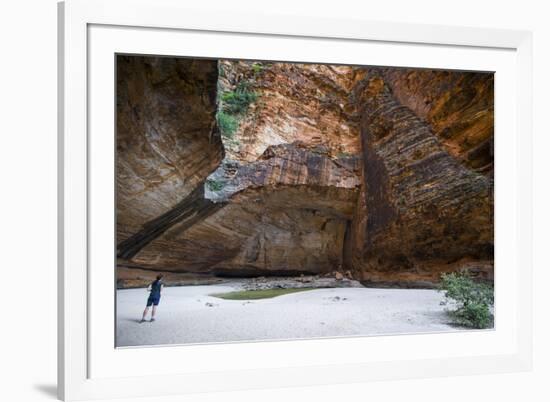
point(297, 103)
point(459, 106)
point(285, 189)
point(167, 140)
point(423, 209)
point(384, 172)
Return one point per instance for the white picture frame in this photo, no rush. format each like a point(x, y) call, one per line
point(91, 32)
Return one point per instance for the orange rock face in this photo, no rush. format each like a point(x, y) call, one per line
point(288, 183)
point(166, 135)
point(458, 107)
point(422, 211)
point(297, 103)
point(386, 173)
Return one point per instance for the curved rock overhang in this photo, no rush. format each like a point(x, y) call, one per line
point(386, 172)
point(167, 144)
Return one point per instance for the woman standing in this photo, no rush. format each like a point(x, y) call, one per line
point(154, 297)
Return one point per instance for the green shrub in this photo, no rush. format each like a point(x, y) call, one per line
point(473, 299)
point(233, 104)
point(227, 123)
point(473, 315)
point(214, 185)
point(257, 68)
point(238, 101)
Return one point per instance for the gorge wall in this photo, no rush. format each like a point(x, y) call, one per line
point(250, 168)
point(426, 205)
point(167, 140)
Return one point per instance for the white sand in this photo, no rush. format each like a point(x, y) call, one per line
point(188, 314)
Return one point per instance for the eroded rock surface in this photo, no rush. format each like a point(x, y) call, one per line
point(386, 173)
point(167, 139)
point(282, 206)
point(458, 107)
point(423, 211)
point(297, 103)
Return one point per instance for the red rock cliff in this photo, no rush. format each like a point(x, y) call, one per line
point(426, 204)
point(313, 168)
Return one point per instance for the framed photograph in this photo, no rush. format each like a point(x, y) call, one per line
point(256, 201)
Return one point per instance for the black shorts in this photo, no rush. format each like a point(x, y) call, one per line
point(153, 301)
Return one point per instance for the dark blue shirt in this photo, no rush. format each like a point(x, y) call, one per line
point(155, 288)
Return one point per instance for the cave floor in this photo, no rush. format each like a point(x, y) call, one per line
point(188, 314)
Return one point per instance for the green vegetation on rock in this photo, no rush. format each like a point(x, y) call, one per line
point(228, 124)
point(237, 101)
point(473, 299)
point(257, 68)
point(258, 294)
point(233, 105)
point(214, 185)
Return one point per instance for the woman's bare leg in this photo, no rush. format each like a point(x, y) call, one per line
point(153, 312)
point(145, 313)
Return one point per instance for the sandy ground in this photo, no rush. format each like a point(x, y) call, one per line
point(187, 314)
